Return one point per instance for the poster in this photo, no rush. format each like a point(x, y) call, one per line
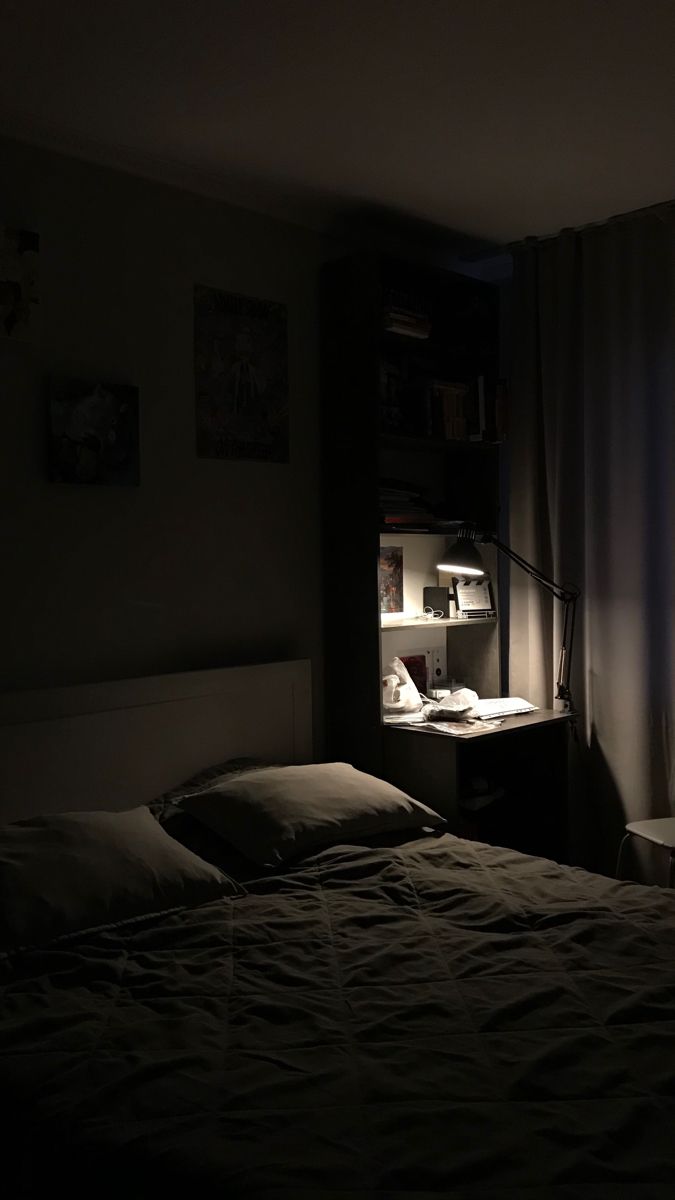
point(241, 377)
point(391, 579)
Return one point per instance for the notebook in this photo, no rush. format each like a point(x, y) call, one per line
point(503, 706)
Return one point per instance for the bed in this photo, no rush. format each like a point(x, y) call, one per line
point(398, 1015)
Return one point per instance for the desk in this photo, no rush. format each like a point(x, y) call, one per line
point(522, 766)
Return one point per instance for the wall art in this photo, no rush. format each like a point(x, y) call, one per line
point(93, 433)
point(391, 579)
point(241, 376)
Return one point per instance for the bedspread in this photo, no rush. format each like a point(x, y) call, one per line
point(442, 1019)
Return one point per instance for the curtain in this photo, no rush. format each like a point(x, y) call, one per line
point(592, 465)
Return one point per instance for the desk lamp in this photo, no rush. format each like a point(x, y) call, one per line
point(463, 558)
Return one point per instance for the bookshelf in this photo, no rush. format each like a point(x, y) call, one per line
point(412, 413)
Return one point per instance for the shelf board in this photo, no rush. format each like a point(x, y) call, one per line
point(449, 529)
point(423, 623)
point(400, 441)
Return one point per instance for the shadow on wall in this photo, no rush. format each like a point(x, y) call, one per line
point(597, 815)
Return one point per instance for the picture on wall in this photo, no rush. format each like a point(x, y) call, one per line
point(241, 376)
point(391, 579)
point(19, 256)
point(93, 433)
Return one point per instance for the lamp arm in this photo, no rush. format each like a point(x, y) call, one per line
point(564, 594)
point(568, 597)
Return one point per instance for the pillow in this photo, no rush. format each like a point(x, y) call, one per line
point(202, 779)
point(166, 806)
point(278, 813)
point(186, 829)
point(72, 871)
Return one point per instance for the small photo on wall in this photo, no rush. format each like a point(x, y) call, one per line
point(19, 257)
point(391, 579)
point(93, 433)
point(241, 376)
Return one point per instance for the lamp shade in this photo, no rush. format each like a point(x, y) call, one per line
point(462, 558)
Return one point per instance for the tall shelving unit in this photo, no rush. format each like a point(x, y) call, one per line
point(410, 449)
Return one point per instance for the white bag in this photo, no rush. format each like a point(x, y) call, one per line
point(399, 692)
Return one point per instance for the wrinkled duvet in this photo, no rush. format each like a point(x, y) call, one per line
point(442, 1019)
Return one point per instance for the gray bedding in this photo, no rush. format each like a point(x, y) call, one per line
point(440, 1019)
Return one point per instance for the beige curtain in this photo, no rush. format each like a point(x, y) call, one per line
point(592, 458)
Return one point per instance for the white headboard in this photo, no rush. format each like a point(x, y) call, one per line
point(115, 745)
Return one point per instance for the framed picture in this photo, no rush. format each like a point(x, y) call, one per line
point(19, 251)
point(93, 433)
point(241, 377)
point(391, 579)
point(473, 597)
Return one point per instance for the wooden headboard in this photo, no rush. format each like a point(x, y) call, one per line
point(115, 745)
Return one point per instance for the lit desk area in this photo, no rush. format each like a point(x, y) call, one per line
point(507, 784)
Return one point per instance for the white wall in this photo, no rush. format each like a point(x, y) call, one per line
point(207, 562)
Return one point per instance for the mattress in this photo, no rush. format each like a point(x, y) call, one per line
point(438, 1019)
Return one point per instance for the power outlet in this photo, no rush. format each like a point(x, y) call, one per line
point(438, 666)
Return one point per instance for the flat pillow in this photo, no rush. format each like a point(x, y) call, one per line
point(278, 813)
point(67, 872)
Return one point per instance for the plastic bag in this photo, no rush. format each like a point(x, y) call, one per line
point(459, 706)
point(399, 692)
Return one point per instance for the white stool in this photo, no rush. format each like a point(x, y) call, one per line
point(660, 832)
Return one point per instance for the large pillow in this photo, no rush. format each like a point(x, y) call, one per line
point(278, 813)
point(204, 778)
point(166, 806)
point(186, 829)
point(72, 871)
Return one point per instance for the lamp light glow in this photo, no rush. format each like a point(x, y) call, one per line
point(459, 569)
point(462, 558)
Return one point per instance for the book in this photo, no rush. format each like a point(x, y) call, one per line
point(402, 504)
point(405, 313)
point(414, 325)
point(448, 406)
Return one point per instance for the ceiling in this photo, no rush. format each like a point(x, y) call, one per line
point(497, 118)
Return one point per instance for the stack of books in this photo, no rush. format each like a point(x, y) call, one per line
point(407, 322)
point(405, 314)
point(403, 507)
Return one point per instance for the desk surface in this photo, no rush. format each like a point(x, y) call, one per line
point(540, 716)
